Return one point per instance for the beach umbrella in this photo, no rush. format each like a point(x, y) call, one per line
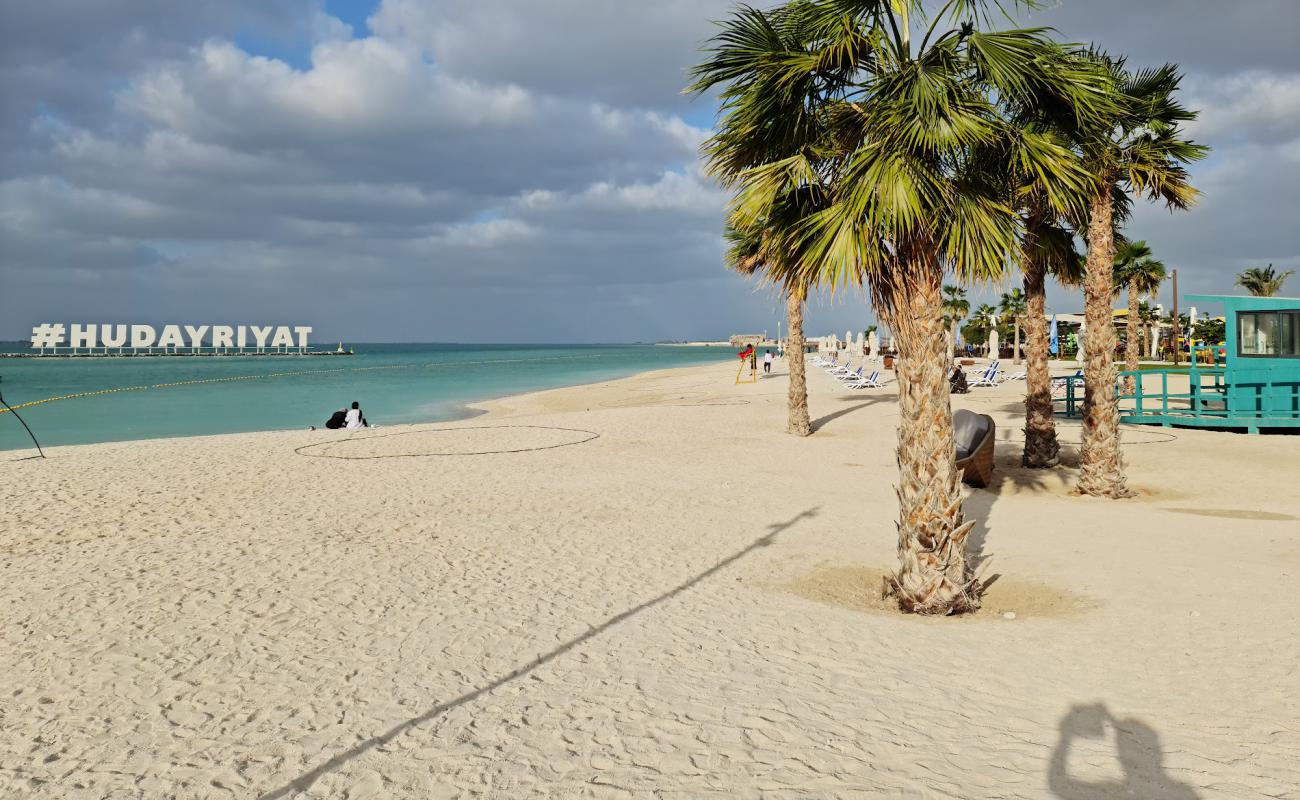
point(873, 343)
point(1053, 343)
point(993, 344)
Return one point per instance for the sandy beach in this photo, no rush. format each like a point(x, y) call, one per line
point(635, 589)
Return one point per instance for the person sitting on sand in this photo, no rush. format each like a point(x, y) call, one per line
point(355, 419)
point(337, 420)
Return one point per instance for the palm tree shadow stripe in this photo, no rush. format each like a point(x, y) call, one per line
point(305, 781)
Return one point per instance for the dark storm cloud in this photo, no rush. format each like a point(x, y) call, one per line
point(497, 170)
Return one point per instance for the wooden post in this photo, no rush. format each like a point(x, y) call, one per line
point(1177, 336)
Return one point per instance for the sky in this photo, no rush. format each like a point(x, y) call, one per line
point(495, 171)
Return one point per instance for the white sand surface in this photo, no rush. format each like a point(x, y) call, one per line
point(671, 598)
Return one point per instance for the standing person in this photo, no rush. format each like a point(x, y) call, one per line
point(355, 419)
point(768, 358)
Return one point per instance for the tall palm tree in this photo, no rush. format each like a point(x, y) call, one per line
point(1012, 307)
point(1147, 317)
point(756, 251)
point(1263, 281)
point(1141, 273)
point(983, 321)
point(916, 142)
point(1139, 149)
point(1047, 250)
point(955, 309)
point(766, 117)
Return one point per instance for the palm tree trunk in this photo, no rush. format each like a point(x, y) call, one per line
point(1101, 465)
point(1041, 448)
point(1016, 354)
point(798, 423)
point(1131, 353)
point(933, 576)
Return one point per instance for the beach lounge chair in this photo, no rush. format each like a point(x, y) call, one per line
point(988, 377)
point(871, 381)
point(974, 435)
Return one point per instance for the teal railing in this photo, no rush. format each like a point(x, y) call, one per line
point(1207, 402)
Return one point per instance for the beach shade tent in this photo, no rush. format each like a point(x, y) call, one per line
point(1054, 341)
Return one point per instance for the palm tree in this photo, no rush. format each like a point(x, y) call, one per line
point(1047, 250)
point(766, 118)
point(1048, 212)
point(1012, 307)
point(1137, 149)
point(755, 251)
point(1147, 317)
point(911, 142)
point(1263, 281)
point(983, 321)
point(955, 309)
point(1142, 273)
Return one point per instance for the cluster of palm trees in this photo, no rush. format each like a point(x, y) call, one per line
point(890, 144)
point(1012, 310)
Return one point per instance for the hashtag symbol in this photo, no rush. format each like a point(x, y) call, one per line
point(47, 335)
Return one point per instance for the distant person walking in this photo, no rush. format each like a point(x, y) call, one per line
point(768, 358)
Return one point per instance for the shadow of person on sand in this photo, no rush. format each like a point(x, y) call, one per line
point(304, 782)
point(1137, 748)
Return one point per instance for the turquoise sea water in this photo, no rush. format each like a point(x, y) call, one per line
point(394, 383)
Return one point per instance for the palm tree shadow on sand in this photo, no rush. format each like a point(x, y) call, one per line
point(822, 421)
point(304, 782)
point(1009, 478)
point(1137, 749)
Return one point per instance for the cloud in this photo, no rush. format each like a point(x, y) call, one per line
point(622, 54)
point(1252, 106)
point(479, 171)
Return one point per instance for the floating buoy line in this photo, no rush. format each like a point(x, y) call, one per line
point(264, 376)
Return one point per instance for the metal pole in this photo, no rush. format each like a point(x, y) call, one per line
point(24, 424)
point(1177, 335)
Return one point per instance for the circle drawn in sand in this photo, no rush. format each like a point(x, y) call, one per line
point(1127, 436)
point(1233, 513)
point(471, 441)
point(857, 588)
point(704, 401)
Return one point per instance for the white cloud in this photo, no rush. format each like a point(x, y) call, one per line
point(506, 168)
point(1250, 106)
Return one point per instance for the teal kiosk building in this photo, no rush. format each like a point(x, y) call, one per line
point(1251, 383)
point(1254, 387)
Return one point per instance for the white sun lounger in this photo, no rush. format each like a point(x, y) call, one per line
point(989, 377)
point(872, 381)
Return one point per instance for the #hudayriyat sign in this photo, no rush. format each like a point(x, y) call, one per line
point(54, 334)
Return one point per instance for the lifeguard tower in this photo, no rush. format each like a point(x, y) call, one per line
point(1250, 383)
